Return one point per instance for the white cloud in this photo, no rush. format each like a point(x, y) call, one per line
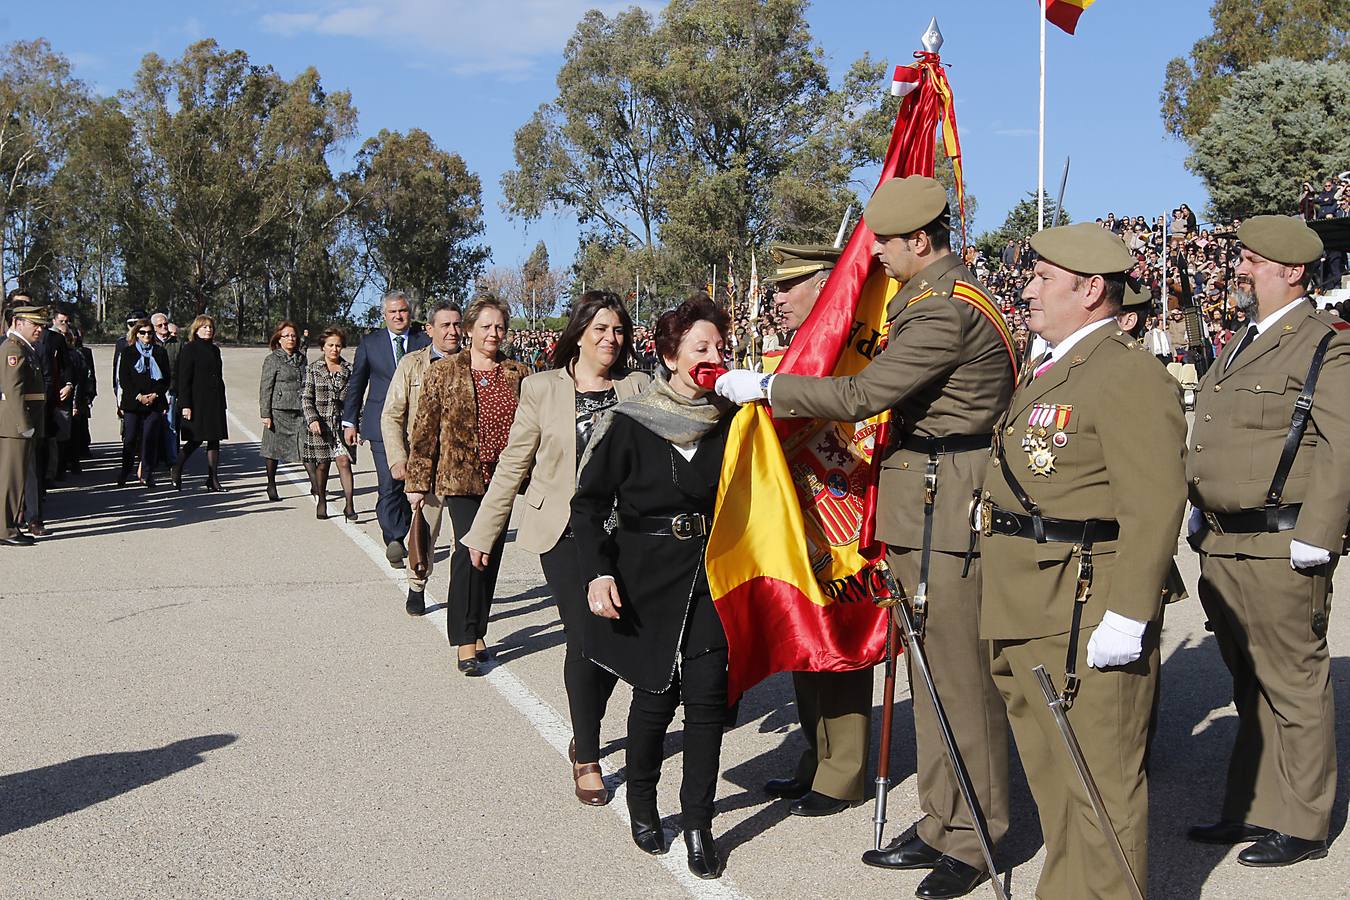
point(473, 37)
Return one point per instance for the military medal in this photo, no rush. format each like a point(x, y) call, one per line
point(1036, 444)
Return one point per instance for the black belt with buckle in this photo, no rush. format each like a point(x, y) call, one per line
point(684, 527)
point(1068, 531)
point(954, 443)
point(1253, 521)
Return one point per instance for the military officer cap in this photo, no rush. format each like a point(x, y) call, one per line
point(30, 313)
point(904, 205)
point(1086, 248)
point(798, 260)
point(1281, 239)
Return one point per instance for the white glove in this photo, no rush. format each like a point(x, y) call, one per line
point(1195, 522)
point(742, 386)
point(1305, 556)
point(1117, 641)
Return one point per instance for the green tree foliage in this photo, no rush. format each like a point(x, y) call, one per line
point(1280, 123)
point(1246, 33)
point(419, 211)
point(708, 131)
point(40, 104)
point(1020, 224)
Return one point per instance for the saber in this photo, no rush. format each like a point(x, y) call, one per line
point(904, 620)
point(887, 717)
point(1055, 701)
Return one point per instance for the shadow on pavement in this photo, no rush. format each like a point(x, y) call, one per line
point(40, 795)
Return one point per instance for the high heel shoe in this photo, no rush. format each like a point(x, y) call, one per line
point(349, 513)
point(586, 795)
point(648, 834)
point(321, 508)
point(272, 493)
point(704, 860)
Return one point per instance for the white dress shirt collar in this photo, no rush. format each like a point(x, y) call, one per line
point(1280, 313)
point(1058, 351)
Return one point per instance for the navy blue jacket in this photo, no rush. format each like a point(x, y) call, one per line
point(374, 368)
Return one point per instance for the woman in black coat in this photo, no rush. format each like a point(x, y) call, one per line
point(201, 401)
point(655, 461)
point(143, 372)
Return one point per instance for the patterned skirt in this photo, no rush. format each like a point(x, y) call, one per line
point(282, 441)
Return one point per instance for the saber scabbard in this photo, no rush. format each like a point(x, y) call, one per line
point(1057, 705)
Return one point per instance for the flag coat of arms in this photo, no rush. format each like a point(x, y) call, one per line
point(790, 557)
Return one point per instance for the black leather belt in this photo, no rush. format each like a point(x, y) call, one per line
point(684, 527)
point(1253, 521)
point(955, 443)
point(1068, 531)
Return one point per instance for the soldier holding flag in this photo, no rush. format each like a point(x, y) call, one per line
point(946, 372)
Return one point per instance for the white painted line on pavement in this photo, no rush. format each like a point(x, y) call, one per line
point(552, 727)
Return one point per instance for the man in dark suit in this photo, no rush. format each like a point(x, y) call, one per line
point(377, 356)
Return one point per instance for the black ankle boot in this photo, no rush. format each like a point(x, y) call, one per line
point(647, 831)
point(704, 860)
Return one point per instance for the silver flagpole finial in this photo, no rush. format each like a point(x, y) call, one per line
point(932, 38)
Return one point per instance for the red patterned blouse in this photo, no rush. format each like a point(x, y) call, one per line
point(496, 412)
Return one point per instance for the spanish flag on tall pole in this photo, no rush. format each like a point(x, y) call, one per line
point(790, 559)
point(1064, 14)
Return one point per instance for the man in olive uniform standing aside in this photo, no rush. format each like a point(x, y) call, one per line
point(834, 708)
point(1269, 524)
point(946, 373)
point(1081, 509)
point(21, 410)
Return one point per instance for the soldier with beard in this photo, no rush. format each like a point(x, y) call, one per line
point(1269, 478)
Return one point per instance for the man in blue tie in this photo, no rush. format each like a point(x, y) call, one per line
point(376, 358)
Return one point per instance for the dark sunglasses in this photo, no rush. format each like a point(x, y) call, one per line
point(143, 331)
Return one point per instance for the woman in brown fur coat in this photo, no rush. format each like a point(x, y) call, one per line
point(468, 404)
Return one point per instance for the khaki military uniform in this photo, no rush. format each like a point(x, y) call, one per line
point(1111, 449)
point(1270, 620)
point(22, 399)
point(396, 426)
point(944, 372)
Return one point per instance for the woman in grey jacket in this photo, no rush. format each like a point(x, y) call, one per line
point(279, 402)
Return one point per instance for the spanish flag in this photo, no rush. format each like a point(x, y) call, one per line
point(1065, 13)
point(790, 557)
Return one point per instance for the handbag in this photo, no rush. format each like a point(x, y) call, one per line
point(420, 549)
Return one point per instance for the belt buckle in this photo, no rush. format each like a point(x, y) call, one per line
point(686, 526)
point(1213, 522)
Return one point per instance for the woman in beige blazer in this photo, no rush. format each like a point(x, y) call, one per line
point(593, 363)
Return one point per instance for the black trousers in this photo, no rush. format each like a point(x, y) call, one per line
point(701, 684)
point(141, 428)
point(470, 600)
point(588, 686)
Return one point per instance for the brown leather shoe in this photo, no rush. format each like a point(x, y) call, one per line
point(586, 796)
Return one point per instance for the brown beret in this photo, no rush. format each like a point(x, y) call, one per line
point(1085, 248)
point(798, 260)
point(904, 205)
point(1281, 239)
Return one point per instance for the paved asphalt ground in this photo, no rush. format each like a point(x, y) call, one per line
point(214, 695)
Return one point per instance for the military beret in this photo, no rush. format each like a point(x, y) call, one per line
point(1281, 239)
point(1136, 297)
point(31, 313)
point(1086, 248)
point(798, 260)
point(904, 205)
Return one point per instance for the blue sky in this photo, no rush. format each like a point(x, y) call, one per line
point(470, 73)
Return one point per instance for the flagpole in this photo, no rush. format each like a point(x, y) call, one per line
point(1040, 165)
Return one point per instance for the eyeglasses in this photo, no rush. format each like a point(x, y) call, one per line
point(143, 331)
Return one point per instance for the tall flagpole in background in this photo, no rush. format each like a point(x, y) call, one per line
point(1040, 163)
